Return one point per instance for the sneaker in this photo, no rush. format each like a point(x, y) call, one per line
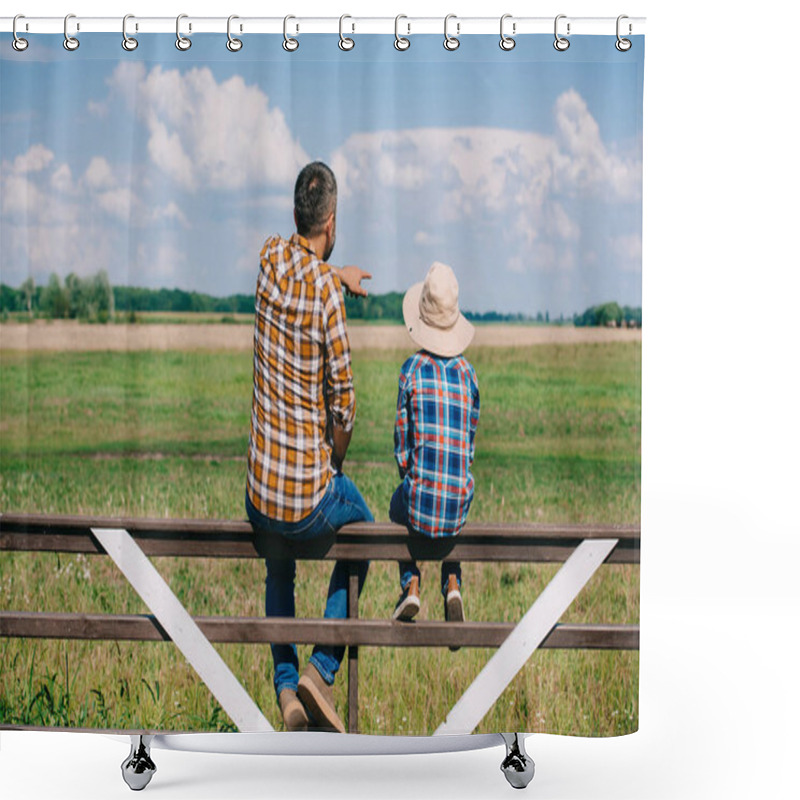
point(408, 604)
point(317, 697)
point(453, 604)
point(294, 715)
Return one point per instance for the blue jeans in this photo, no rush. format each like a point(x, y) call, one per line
point(398, 512)
point(341, 504)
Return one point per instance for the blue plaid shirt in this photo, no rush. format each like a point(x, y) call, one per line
point(434, 440)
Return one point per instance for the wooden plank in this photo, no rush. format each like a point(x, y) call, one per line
point(352, 652)
point(234, 528)
point(359, 542)
point(261, 630)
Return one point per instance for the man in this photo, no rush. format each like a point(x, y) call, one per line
point(300, 427)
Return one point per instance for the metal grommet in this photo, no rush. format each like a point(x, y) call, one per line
point(181, 42)
point(451, 42)
point(400, 42)
point(18, 43)
point(128, 42)
point(623, 45)
point(561, 44)
point(233, 44)
point(289, 44)
point(345, 43)
point(70, 42)
point(506, 42)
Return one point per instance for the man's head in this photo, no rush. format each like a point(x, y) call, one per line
point(315, 204)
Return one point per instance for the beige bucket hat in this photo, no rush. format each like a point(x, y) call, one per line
point(432, 316)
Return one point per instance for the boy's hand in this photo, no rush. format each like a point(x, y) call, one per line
point(351, 277)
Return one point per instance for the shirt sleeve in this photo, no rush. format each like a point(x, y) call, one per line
point(338, 371)
point(402, 444)
point(474, 414)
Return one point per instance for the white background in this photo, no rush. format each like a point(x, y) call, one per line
point(720, 605)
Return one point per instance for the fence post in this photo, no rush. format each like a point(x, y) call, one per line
point(352, 651)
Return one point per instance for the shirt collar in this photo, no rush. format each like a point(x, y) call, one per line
point(300, 241)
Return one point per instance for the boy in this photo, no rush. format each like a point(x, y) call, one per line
point(434, 436)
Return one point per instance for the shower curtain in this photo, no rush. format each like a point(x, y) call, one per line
point(143, 286)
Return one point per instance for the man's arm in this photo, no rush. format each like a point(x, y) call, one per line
point(339, 391)
point(341, 441)
point(351, 277)
point(402, 443)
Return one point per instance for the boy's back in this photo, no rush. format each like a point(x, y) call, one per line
point(438, 406)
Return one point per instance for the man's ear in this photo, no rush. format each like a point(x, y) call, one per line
point(329, 223)
point(294, 213)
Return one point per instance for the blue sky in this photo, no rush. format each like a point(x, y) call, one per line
point(521, 170)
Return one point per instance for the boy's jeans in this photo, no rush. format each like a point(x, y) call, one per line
point(341, 504)
point(398, 512)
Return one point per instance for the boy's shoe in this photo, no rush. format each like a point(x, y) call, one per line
point(317, 697)
point(453, 604)
point(408, 604)
point(294, 715)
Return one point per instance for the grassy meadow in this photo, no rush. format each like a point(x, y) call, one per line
point(165, 434)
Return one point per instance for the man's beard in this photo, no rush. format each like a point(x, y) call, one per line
point(329, 249)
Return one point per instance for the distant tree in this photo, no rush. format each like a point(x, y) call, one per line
point(54, 301)
point(28, 290)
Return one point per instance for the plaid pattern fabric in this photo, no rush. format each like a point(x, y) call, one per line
point(438, 405)
point(302, 379)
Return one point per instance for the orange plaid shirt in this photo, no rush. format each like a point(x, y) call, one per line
point(302, 379)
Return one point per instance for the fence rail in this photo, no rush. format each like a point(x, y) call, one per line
point(477, 542)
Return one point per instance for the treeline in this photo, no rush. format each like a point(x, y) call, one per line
point(133, 299)
point(387, 307)
point(91, 299)
point(609, 315)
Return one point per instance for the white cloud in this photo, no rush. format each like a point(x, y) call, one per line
point(583, 161)
point(61, 179)
point(171, 211)
point(205, 134)
point(118, 203)
point(99, 175)
point(425, 239)
point(481, 178)
point(19, 194)
point(35, 160)
point(52, 223)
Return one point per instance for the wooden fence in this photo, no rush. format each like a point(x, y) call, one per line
point(477, 542)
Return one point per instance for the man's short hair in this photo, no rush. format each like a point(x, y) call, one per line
point(314, 198)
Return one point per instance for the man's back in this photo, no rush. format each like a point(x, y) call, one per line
point(302, 379)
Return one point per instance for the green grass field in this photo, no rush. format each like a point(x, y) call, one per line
point(165, 434)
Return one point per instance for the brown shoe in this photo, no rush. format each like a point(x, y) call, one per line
point(453, 604)
point(317, 697)
point(408, 604)
point(294, 715)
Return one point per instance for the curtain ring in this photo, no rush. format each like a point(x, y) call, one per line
point(233, 44)
point(289, 44)
point(128, 42)
point(561, 43)
point(345, 43)
point(400, 42)
point(18, 43)
point(181, 42)
point(451, 42)
point(623, 45)
point(507, 42)
point(70, 42)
